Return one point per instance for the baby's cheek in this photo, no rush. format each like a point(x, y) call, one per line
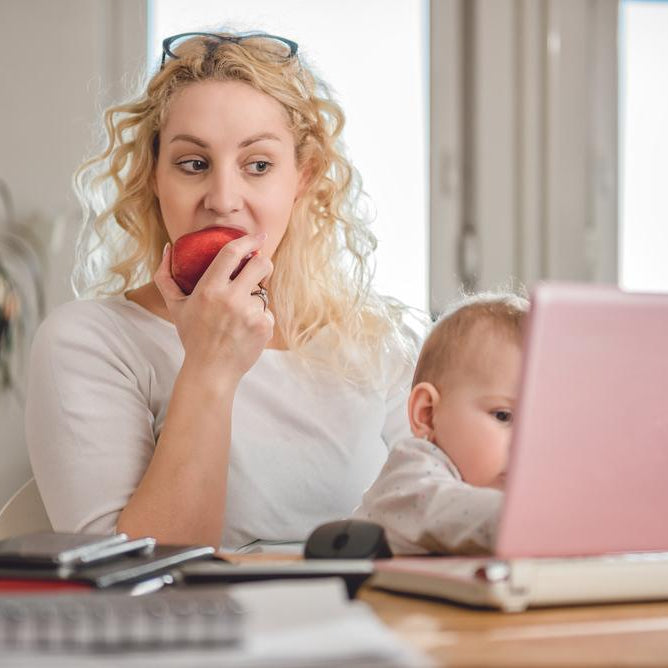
point(490, 462)
point(476, 467)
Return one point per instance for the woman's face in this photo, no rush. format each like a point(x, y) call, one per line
point(227, 157)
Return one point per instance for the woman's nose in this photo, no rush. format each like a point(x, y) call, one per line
point(224, 192)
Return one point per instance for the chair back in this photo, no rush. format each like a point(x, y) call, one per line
point(24, 512)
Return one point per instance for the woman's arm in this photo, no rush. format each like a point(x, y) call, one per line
point(181, 497)
point(92, 404)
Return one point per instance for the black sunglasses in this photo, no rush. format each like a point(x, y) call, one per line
point(268, 47)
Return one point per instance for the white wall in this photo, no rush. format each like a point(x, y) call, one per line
point(57, 72)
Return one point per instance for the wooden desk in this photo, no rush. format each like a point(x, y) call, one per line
point(610, 635)
point(453, 635)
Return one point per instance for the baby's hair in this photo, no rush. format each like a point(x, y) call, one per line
point(503, 312)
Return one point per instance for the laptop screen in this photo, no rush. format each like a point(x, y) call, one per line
point(588, 470)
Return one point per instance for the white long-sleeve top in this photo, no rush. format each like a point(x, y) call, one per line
point(304, 446)
point(425, 506)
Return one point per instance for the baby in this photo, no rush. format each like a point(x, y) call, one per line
point(440, 491)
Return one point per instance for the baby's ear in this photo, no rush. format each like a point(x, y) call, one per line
point(422, 402)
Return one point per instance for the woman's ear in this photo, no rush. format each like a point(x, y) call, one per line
point(422, 403)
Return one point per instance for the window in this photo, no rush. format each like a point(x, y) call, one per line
point(643, 145)
point(374, 54)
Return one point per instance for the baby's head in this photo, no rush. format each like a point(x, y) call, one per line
point(465, 384)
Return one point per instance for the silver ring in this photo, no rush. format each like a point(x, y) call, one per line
point(262, 293)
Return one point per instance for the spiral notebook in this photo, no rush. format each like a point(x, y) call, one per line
point(297, 624)
point(117, 622)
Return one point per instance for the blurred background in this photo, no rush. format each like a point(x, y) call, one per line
point(498, 141)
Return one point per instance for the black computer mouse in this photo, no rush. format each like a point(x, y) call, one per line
point(347, 539)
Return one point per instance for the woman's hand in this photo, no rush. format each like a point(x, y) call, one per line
point(223, 327)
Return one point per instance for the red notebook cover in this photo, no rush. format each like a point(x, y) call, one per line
point(35, 586)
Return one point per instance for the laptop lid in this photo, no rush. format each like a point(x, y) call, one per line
point(588, 470)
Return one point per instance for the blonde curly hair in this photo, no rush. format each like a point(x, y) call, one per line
point(323, 265)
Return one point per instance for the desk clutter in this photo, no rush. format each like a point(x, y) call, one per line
point(76, 600)
point(63, 561)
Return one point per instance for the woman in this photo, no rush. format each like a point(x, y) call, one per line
point(210, 418)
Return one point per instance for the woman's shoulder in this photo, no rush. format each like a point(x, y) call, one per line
point(75, 339)
point(95, 322)
point(78, 316)
point(71, 317)
point(115, 308)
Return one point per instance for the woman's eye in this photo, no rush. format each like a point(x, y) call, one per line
point(192, 166)
point(503, 416)
point(258, 167)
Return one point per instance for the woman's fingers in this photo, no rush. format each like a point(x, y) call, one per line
point(168, 287)
point(229, 258)
point(217, 274)
point(257, 270)
point(221, 322)
point(215, 284)
point(263, 295)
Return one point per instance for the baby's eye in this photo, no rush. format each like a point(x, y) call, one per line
point(192, 166)
point(503, 416)
point(258, 167)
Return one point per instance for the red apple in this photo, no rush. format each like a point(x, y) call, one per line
point(193, 253)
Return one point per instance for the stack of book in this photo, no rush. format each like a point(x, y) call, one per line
point(94, 576)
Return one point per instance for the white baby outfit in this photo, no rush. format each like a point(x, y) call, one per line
point(425, 506)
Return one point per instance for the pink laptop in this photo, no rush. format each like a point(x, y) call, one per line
point(589, 461)
point(588, 472)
